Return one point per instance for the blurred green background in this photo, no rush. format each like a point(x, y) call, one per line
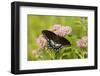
point(37, 23)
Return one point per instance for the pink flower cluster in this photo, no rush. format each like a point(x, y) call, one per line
point(61, 30)
point(41, 41)
point(36, 52)
point(83, 42)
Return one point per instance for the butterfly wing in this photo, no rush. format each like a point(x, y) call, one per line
point(54, 41)
point(49, 35)
point(64, 41)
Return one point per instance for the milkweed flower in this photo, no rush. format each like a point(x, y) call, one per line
point(83, 42)
point(85, 38)
point(41, 41)
point(61, 30)
point(56, 27)
point(36, 52)
point(67, 29)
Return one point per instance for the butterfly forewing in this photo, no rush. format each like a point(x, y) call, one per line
point(49, 35)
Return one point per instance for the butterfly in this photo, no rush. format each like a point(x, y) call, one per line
point(54, 41)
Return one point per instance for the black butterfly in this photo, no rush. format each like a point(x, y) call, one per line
point(54, 41)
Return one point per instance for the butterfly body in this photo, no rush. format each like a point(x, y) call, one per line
point(54, 41)
point(54, 45)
